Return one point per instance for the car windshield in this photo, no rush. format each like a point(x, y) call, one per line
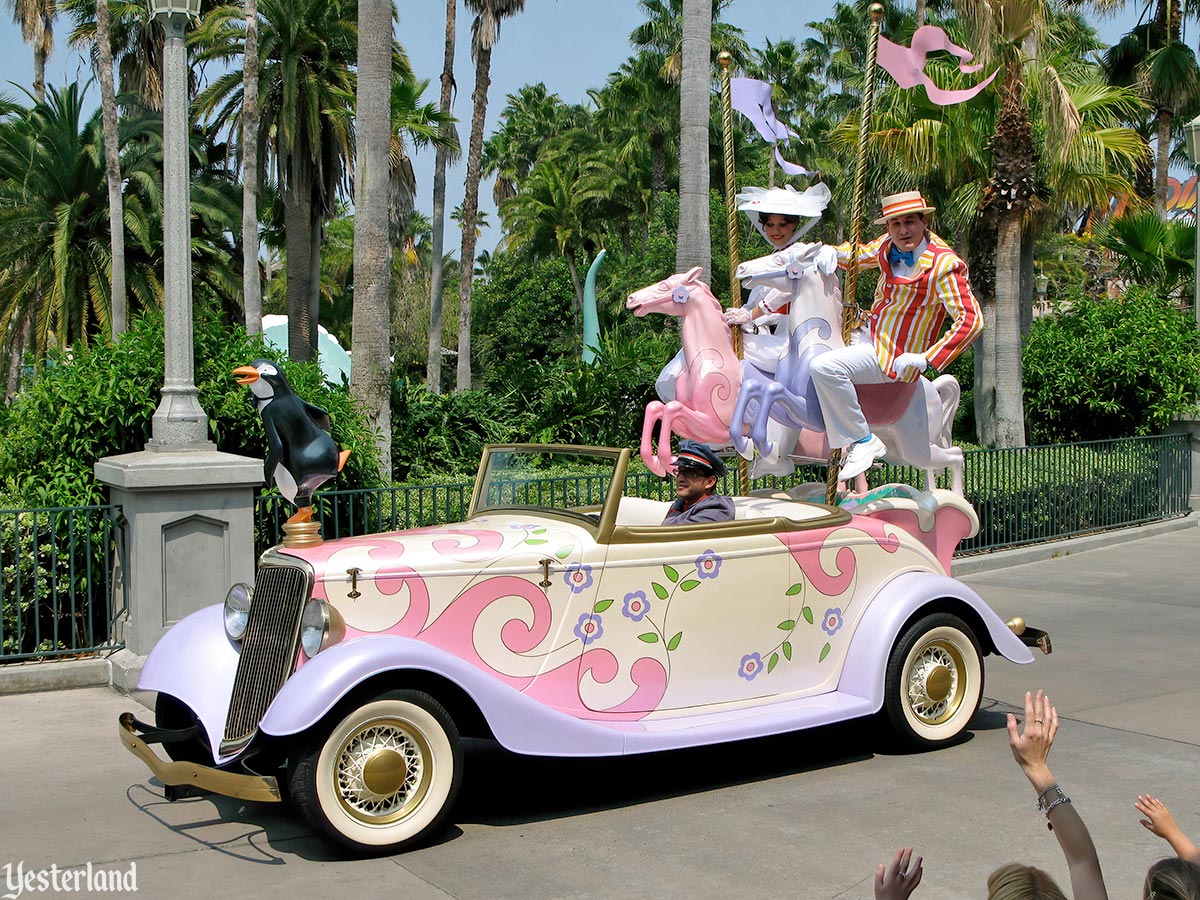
point(577, 481)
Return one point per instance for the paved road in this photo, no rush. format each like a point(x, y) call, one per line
point(801, 816)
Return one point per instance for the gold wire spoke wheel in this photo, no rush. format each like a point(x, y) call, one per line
point(383, 771)
point(934, 681)
point(383, 777)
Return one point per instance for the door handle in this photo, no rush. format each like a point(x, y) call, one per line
point(545, 564)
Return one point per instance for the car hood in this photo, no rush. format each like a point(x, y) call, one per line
point(500, 543)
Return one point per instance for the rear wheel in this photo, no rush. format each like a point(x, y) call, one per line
point(934, 681)
point(384, 777)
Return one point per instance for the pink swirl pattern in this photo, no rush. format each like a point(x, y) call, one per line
point(559, 687)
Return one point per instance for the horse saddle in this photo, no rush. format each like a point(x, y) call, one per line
point(883, 404)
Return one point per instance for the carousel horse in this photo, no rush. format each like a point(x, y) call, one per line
point(913, 418)
point(707, 386)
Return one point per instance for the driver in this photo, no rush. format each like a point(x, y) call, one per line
point(697, 469)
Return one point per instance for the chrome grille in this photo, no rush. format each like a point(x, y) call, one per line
point(268, 649)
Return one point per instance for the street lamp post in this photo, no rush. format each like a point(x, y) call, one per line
point(1193, 151)
point(179, 422)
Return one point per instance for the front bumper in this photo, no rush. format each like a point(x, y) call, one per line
point(262, 788)
point(1030, 637)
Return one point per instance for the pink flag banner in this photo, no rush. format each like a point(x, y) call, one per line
point(752, 98)
point(907, 64)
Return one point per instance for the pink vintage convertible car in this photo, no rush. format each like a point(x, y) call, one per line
point(563, 625)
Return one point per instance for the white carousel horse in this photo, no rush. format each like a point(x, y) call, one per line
point(706, 388)
point(913, 418)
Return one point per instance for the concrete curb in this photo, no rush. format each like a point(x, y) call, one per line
point(1019, 556)
point(121, 669)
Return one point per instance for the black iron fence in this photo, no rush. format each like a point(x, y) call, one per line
point(1023, 496)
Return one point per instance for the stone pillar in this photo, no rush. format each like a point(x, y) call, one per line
point(189, 536)
point(1190, 425)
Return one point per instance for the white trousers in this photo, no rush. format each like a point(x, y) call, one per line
point(834, 374)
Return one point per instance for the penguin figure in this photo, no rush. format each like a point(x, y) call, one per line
point(301, 455)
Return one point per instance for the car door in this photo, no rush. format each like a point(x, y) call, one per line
point(687, 621)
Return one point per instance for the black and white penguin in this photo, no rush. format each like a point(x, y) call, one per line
point(301, 455)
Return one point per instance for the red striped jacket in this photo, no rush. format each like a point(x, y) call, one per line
point(908, 311)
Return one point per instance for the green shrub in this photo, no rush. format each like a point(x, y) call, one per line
point(98, 400)
point(1107, 368)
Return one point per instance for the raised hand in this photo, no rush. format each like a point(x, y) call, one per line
point(897, 881)
point(1031, 747)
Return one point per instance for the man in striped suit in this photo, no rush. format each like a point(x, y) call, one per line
point(921, 282)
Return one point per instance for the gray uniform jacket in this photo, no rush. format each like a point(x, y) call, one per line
point(713, 508)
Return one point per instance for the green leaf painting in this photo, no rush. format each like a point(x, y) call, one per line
point(659, 591)
point(772, 662)
point(671, 573)
point(689, 585)
point(602, 605)
point(808, 614)
point(787, 649)
point(795, 589)
point(563, 553)
point(824, 653)
point(649, 637)
point(786, 625)
point(674, 642)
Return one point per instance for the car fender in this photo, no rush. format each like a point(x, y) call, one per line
point(892, 606)
point(195, 662)
point(518, 722)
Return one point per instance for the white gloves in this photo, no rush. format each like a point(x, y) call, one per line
point(738, 315)
point(909, 362)
point(827, 259)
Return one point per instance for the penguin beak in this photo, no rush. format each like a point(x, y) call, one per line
point(249, 374)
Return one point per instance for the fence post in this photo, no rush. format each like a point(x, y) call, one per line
point(190, 534)
point(1189, 424)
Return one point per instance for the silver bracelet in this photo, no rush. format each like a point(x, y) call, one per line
point(1045, 802)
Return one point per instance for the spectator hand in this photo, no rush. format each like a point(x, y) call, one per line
point(737, 315)
point(1031, 747)
point(827, 259)
point(1158, 819)
point(897, 881)
point(908, 362)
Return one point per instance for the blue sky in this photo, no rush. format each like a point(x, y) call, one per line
point(571, 45)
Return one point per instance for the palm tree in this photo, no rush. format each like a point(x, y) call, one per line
point(1152, 58)
point(551, 213)
point(433, 364)
point(112, 166)
point(485, 31)
point(663, 32)
point(531, 117)
point(251, 278)
point(371, 375)
point(307, 88)
point(54, 251)
point(137, 41)
point(36, 21)
point(694, 247)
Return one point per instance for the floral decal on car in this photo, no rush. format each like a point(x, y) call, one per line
point(636, 606)
point(708, 565)
point(833, 621)
point(751, 665)
point(589, 628)
point(578, 577)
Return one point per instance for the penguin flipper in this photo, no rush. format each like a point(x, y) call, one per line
point(319, 416)
point(287, 484)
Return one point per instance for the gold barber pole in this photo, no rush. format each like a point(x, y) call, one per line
point(851, 314)
point(735, 288)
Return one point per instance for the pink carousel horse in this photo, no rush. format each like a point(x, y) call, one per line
point(913, 418)
point(707, 388)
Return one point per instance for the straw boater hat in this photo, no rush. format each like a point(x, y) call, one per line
point(785, 201)
point(903, 204)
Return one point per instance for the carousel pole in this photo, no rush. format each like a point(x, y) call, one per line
point(851, 312)
point(735, 287)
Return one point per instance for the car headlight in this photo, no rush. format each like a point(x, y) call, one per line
point(320, 626)
point(237, 610)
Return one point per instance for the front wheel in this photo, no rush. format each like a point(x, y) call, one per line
point(385, 777)
point(934, 681)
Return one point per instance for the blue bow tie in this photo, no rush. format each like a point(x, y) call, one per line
point(896, 255)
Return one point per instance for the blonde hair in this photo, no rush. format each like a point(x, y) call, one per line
point(1017, 882)
point(1172, 879)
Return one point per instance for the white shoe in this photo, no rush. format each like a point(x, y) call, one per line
point(860, 457)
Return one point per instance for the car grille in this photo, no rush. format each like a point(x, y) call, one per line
point(268, 649)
